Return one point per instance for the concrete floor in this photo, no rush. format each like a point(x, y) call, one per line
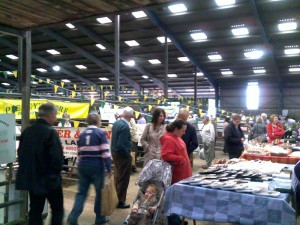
point(117, 218)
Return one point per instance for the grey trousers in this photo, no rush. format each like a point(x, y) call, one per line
point(209, 151)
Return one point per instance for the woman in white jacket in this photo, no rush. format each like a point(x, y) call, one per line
point(208, 138)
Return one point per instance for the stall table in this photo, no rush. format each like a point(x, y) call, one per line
point(275, 159)
point(217, 205)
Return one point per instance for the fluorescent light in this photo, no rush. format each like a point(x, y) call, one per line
point(104, 20)
point(199, 74)
point(240, 31)
point(139, 14)
point(56, 68)
point(215, 57)
point(259, 71)
point(100, 46)
point(211, 89)
point(8, 72)
point(41, 70)
point(129, 63)
point(226, 72)
point(145, 77)
point(103, 78)
point(183, 59)
point(287, 26)
point(71, 26)
point(189, 90)
point(199, 36)
point(6, 84)
point(132, 43)
point(254, 54)
point(177, 8)
point(162, 40)
point(82, 67)
point(12, 57)
point(172, 75)
point(225, 2)
point(65, 80)
point(53, 52)
point(294, 69)
point(34, 82)
point(292, 51)
point(154, 61)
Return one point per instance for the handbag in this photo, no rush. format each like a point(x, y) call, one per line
point(109, 198)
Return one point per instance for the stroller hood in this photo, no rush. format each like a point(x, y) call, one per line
point(156, 170)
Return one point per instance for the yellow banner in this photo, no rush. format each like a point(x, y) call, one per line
point(76, 110)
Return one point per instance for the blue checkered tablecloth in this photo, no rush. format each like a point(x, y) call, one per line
point(227, 206)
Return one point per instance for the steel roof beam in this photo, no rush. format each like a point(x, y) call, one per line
point(94, 36)
point(47, 62)
point(11, 31)
point(89, 56)
point(178, 44)
point(266, 40)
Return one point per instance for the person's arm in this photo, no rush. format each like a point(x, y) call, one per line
point(167, 153)
point(270, 131)
point(281, 132)
point(194, 141)
point(55, 152)
point(229, 137)
point(105, 153)
point(144, 140)
point(212, 132)
point(122, 142)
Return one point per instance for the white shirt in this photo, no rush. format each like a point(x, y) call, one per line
point(208, 132)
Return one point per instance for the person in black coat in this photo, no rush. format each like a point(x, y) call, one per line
point(234, 138)
point(40, 156)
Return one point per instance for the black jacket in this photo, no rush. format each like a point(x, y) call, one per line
point(233, 139)
point(40, 157)
point(190, 138)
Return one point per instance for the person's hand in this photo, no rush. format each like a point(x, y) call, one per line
point(110, 174)
point(152, 209)
point(135, 210)
point(242, 140)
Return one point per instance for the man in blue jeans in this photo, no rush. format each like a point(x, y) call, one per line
point(94, 155)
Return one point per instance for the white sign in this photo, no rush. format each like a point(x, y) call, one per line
point(70, 135)
point(7, 138)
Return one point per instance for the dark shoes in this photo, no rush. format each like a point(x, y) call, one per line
point(205, 167)
point(105, 220)
point(123, 205)
point(133, 169)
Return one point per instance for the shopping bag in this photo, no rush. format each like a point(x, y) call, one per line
point(109, 198)
point(201, 154)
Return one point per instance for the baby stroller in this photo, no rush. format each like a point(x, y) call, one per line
point(158, 173)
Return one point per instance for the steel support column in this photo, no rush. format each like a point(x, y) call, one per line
point(195, 86)
point(217, 96)
point(166, 68)
point(117, 55)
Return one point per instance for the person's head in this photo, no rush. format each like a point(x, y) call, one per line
point(94, 119)
point(259, 120)
point(177, 128)
point(205, 119)
point(66, 116)
point(236, 119)
point(274, 118)
point(127, 113)
point(263, 116)
point(158, 117)
point(151, 190)
point(183, 114)
point(48, 112)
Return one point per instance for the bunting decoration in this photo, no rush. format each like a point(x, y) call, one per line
point(55, 88)
point(75, 86)
point(15, 73)
point(119, 98)
point(76, 123)
point(136, 114)
point(92, 100)
point(116, 107)
point(48, 80)
point(62, 84)
point(73, 94)
point(149, 107)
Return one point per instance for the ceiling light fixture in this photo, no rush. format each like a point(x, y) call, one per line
point(104, 20)
point(259, 70)
point(154, 61)
point(6, 84)
point(71, 26)
point(56, 68)
point(100, 46)
point(139, 14)
point(292, 51)
point(177, 8)
point(162, 40)
point(53, 51)
point(145, 77)
point(103, 78)
point(183, 59)
point(287, 25)
point(129, 63)
point(132, 43)
point(253, 54)
point(34, 82)
point(65, 80)
point(199, 36)
point(215, 57)
point(172, 75)
point(239, 30)
point(8, 72)
point(41, 70)
point(82, 67)
point(12, 57)
point(225, 2)
point(294, 68)
point(226, 72)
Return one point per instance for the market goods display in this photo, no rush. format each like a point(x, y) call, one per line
point(268, 150)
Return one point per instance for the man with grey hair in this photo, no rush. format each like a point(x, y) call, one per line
point(264, 118)
point(121, 148)
point(40, 157)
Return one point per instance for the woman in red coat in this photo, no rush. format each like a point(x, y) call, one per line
point(275, 130)
point(174, 151)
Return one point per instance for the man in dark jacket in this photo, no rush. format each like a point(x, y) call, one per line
point(120, 150)
point(40, 157)
point(190, 136)
point(234, 138)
